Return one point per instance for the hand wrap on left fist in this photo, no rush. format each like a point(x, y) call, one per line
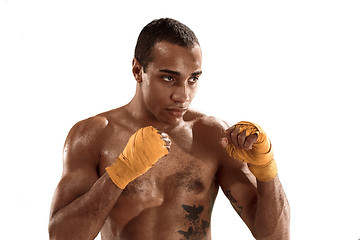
point(260, 158)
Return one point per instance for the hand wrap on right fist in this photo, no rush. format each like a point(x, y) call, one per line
point(144, 148)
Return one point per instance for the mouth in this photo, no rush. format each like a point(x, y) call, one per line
point(177, 112)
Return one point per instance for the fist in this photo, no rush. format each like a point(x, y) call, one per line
point(144, 148)
point(238, 138)
point(247, 142)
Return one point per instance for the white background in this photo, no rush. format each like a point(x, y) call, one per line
point(291, 66)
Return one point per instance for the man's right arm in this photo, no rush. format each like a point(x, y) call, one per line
point(82, 201)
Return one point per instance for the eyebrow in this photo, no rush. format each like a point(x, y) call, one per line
point(178, 73)
point(196, 73)
point(170, 72)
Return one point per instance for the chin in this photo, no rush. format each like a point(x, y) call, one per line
point(171, 121)
point(168, 119)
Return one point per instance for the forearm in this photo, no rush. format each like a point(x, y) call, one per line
point(272, 217)
point(84, 217)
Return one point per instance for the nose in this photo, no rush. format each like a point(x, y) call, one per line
point(181, 94)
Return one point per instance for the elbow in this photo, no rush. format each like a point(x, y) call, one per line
point(52, 229)
point(278, 230)
point(265, 234)
point(280, 233)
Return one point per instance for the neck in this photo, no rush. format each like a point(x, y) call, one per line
point(140, 115)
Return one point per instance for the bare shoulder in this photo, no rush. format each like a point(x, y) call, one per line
point(92, 129)
point(212, 130)
point(212, 125)
point(207, 132)
point(81, 143)
point(87, 130)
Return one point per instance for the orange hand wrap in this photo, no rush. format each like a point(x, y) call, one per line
point(260, 158)
point(144, 148)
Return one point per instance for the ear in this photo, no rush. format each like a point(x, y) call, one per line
point(137, 70)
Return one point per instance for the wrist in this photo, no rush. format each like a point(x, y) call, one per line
point(120, 173)
point(265, 172)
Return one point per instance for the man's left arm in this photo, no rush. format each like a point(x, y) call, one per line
point(272, 214)
point(260, 202)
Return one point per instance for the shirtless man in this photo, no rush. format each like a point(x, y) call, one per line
point(170, 195)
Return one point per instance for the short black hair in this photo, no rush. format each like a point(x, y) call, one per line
point(163, 29)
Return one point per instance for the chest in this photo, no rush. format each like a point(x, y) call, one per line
point(187, 171)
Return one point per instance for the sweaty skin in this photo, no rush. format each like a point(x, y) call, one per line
point(157, 204)
point(174, 198)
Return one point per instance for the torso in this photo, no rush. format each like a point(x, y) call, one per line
point(174, 199)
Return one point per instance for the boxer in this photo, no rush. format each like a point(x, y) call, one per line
point(152, 169)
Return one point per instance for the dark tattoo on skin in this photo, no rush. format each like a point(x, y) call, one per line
point(212, 201)
point(233, 202)
point(230, 197)
point(197, 229)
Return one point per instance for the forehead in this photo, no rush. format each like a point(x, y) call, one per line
point(171, 56)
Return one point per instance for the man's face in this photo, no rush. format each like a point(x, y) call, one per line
point(170, 81)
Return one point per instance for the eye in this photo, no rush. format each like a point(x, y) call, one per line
point(167, 78)
point(193, 80)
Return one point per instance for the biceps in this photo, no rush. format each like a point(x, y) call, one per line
point(243, 199)
point(239, 187)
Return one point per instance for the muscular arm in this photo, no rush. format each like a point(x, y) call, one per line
point(272, 213)
point(261, 204)
point(82, 200)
